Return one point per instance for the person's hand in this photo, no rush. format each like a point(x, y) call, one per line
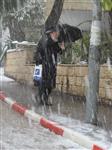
point(62, 46)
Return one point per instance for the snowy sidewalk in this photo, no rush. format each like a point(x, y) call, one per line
point(84, 129)
point(17, 133)
point(74, 136)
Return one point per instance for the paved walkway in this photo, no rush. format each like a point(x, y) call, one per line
point(65, 108)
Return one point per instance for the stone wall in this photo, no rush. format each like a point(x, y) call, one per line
point(18, 63)
point(70, 78)
point(71, 5)
point(73, 79)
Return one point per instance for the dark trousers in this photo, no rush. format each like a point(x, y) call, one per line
point(44, 88)
point(44, 92)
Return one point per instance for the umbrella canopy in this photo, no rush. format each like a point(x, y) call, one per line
point(69, 33)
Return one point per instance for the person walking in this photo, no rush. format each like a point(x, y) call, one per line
point(46, 55)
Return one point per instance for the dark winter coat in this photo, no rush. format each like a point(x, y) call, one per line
point(46, 55)
point(47, 50)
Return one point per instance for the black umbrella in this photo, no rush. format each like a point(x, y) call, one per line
point(69, 33)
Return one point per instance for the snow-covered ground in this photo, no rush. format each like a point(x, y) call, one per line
point(4, 78)
point(18, 133)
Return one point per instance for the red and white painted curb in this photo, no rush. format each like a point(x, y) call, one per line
point(52, 126)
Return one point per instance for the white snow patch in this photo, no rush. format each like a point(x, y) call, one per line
point(4, 78)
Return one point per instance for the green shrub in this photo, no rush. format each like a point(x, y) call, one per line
point(79, 51)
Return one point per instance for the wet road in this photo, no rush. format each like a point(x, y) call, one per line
point(18, 133)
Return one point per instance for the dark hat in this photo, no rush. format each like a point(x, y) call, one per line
point(50, 30)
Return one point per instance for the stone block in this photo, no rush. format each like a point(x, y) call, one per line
point(71, 80)
point(64, 89)
point(102, 83)
point(62, 70)
point(78, 71)
point(108, 92)
point(29, 69)
point(84, 80)
point(105, 72)
point(29, 56)
point(60, 80)
point(79, 81)
point(102, 93)
point(76, 90)
point(57, 80)
point(71, 71)
point(11, 55)
point(84, 70)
